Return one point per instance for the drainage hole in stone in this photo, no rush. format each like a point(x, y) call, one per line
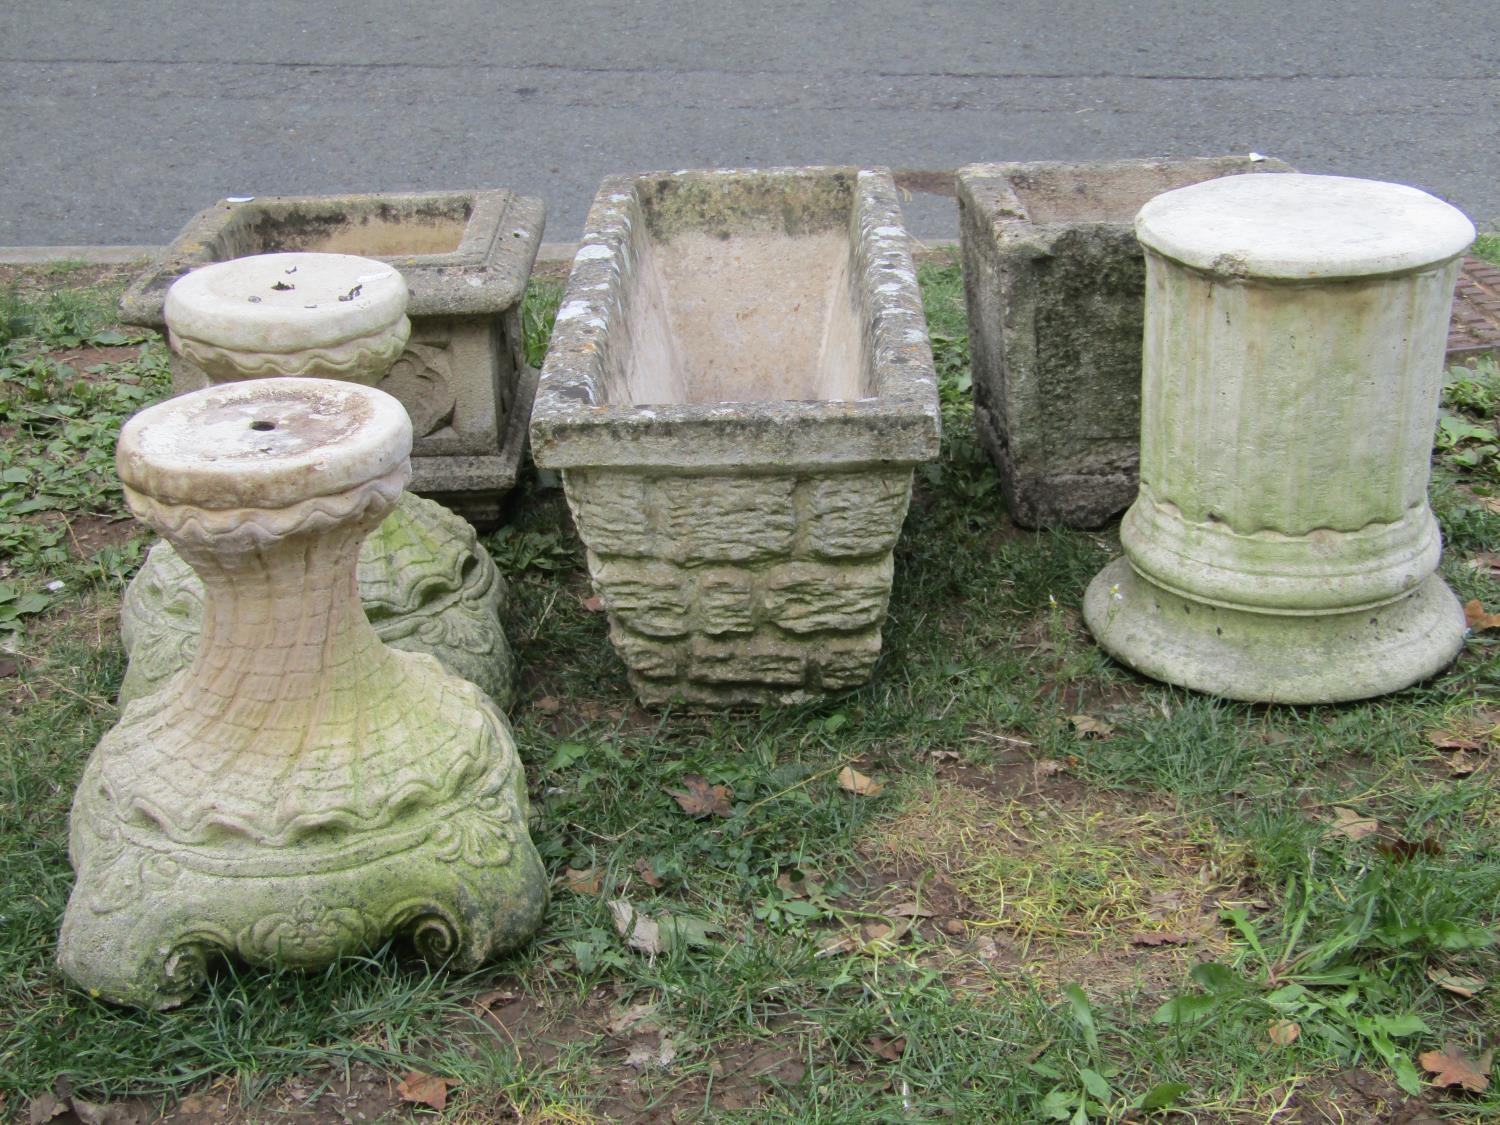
point(262, 425)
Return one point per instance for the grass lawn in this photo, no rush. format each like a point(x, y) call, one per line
point(1006, 881)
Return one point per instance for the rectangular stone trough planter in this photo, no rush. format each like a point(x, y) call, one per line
point(466, 257)
point(1055, 286)
point(737, 389)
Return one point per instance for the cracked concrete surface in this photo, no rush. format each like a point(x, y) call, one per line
point(124, 120)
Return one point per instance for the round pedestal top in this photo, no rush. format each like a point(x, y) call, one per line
point(1296, 227)
point(286, 302)
point(265, 443)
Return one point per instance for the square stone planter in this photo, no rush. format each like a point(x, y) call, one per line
point(466, 255)
point(737, 389)
point(1055, 287)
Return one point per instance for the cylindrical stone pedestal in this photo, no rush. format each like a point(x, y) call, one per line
point(426, 583)
point(1281, 547)
point(301, 791)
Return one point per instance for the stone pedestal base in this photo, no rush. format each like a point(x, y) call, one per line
point(1273, 658)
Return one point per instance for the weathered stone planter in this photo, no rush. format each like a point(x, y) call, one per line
point(302, 791)
point(1055, 279)
point(426, 583)
point(462, 377)
point(737, 389)
point(1281, 547)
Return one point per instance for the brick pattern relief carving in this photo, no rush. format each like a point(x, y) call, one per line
point(717, 584)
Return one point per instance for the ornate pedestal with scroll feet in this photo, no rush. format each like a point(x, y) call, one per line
point(426, 584)
point(302, 790)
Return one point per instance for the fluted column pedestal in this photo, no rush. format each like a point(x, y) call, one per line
point(1281, 547)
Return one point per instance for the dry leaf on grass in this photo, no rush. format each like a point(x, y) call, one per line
point(1283, 1033)
point(1089, 727)
point(887, 1047)
point(640, 931)
point(1348, 823)
point(1453, 740)
point(1486, 561)
point(1160, 939)
point(1461, 764)
point(648, 875)
point(1451, 1067)
point(594, 604)
point(547, 705)
point(795, 883)
point(1459, 986)
point(424, 1089)
point(858, 784)
point(656, 935)
point(630, 1018)
point(645, 1057)
point(1476, 617)
point(582, 882)
point(699, 798)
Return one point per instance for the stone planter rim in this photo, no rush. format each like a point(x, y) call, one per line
point(485, 273)
point(263, 443)
point(1301, 227)
point(997, 180)
point(234, 304)
point(574, 424)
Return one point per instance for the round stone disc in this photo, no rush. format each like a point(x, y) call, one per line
point(1294, 227)
point(266, 443)
point(278, 303)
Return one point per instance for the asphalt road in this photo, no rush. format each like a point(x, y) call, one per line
point(118, 121)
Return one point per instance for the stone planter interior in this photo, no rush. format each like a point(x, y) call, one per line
point(467, 257)
point(738, 386)
point(1055, 283)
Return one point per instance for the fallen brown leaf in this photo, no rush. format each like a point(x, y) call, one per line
point(878, 936)
point(640, 931)
point(424, 1089)
point(1464, 765)
point(1459, 986)
point(1090, 727)
point(1283, 1033)
point(797, 884)
point(648, 876)
point(909, 910)
point(1348, 823)
point(631, 1017)
point(858, 784)
point(1476, 617)
point(44, 1107)
point(1453, 740)
point(594, 604)
point(1402, 849)
point(699, 798)
point(588, 881)
point(547, 705)
point(1157, 938)
point(1451, 1067)
point(107, 1113)
point(887, 1047)
point(1486, 562)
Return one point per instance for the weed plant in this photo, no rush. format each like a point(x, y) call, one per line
point(1061, 892)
